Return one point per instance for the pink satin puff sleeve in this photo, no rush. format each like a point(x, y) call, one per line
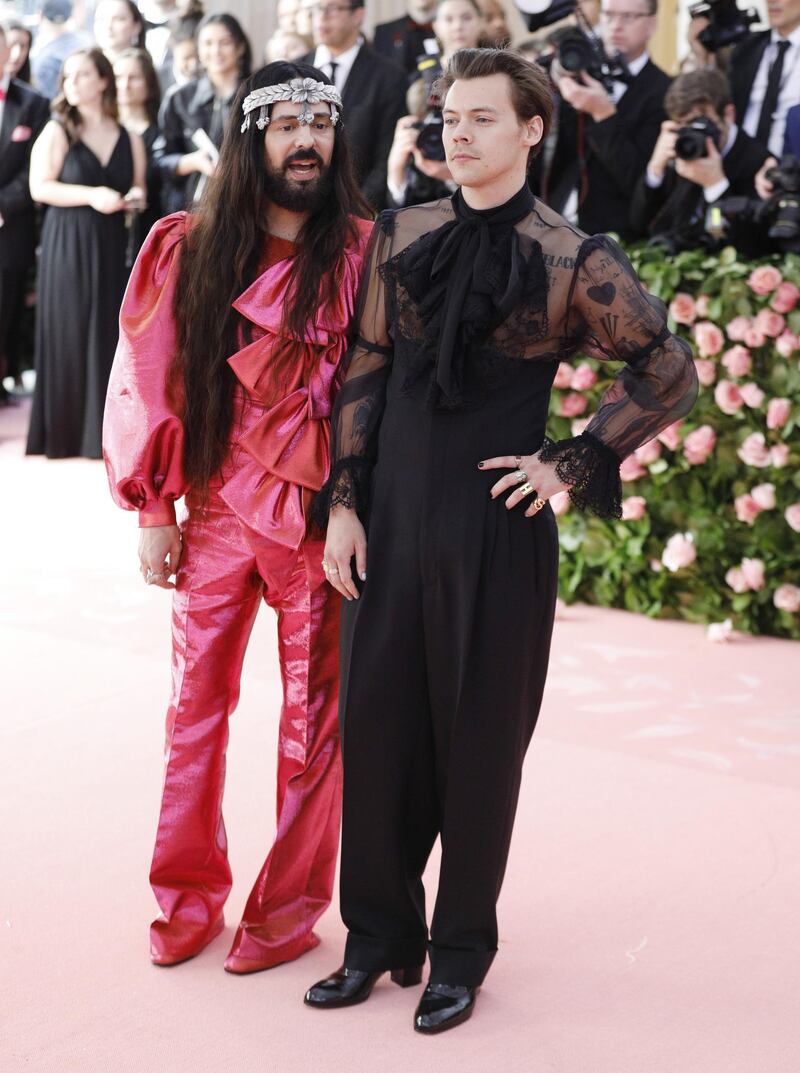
point(142, 434)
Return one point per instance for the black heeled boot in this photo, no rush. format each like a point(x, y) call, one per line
point(442, 1007)
point(348, 987)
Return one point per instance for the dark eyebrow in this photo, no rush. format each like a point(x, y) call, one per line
point(472, 110)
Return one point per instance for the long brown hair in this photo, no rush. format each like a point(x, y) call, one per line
point(153, 101)
point(224, 244)
point(69, 115)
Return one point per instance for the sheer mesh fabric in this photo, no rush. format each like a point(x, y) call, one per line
point(579, 295)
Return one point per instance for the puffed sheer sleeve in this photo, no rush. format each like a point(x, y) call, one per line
point(614, 318)
point(142, 433)
point(361, 400)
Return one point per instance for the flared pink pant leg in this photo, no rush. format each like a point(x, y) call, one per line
point(222, 579)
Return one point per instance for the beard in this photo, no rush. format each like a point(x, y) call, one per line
point(297, 195)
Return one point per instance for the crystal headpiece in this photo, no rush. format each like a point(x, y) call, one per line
point(299, 90)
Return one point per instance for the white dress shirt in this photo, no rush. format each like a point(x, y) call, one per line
point(789, 91)
point(323, 58)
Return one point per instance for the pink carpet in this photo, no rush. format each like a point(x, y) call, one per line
point(649, 917)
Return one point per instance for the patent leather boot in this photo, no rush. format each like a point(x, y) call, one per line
point(348, 987)
point(442, 1007)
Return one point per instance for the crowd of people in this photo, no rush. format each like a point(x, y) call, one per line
point(113, 117)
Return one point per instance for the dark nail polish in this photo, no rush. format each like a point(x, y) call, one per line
point(480, 465)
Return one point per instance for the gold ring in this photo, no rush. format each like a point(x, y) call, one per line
point(537, 504)
point(525, 489)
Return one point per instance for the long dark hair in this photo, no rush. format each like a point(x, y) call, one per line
point(11, 26)
point(220, 258)
point(69, 115)
point(234, 28)
point(153, 101)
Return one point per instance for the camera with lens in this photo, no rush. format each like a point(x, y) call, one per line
point(578, 50)
point(780, 213)
point(727, 23)
point(430, 127)
point(690, 142)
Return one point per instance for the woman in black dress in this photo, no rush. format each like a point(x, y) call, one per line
point(139, 97)
point(90, 172)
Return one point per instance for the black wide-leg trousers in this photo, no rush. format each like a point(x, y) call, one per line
point(444, 662)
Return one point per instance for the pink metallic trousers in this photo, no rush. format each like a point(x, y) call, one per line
point(225, 571)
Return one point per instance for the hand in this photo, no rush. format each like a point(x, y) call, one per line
point(403, 145)
point(434, 169)
point(696, 27)
point(346, 538)
point(664, 149)
point(705, 171)
point(135, 199)
point(159, 552)
point(588, 96)
point(200, 161)
point(764, 188)
point(106, 200)
point(541, 475)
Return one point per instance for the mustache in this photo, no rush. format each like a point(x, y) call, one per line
point(304, 156)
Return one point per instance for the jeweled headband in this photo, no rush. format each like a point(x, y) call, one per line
point(299, 90)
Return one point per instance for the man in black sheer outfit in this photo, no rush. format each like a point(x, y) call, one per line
point(468, 305)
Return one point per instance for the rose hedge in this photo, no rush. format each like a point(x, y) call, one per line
point(711, 510)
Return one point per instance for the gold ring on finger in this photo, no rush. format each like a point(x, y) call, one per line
point(525, 489)
point(538, 503)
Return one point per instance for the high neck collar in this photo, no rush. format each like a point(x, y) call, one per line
point(510, 212)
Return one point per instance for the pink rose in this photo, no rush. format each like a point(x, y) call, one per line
point(769, 323)
point(633, 508)
point(736, 329)
point(583, 378)
point(699, 444)
point(753, 570)
point(630, 470)
point(573, 405)
point(702, 304)
point(563, 376)
point(679, 552)
point(779, 455)
point(560, 503)
point(737, 361)
point(754, 338)
point(747, 510)
point(683, 309)
point(719, 632)
point(764, 496)
point(785, 298)
point(764, 280)
point(792, 516)
point(752, 395)
point(579, 424)
point(655, 566)
point(709, 338)
point(648, 452)
point(728, 397)
point(787, 598)
point(778, 411)
point(754, 451)
point(670, 436)
point(787, 343)
point(735, 579)
point(706, 371)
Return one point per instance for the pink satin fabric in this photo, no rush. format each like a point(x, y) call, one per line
point(248, 543)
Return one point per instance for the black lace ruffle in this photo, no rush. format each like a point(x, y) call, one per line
point(592, 471)
point(347, 486)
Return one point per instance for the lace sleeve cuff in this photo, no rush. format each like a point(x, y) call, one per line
point(591, 469)
point(347, 486)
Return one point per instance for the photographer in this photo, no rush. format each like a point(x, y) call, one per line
point(607, 129)
point(765, 75)
point(700, 156)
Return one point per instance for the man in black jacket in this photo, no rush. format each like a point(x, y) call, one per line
point(674, 196)
point(23, 113)
point(403, 39)
point(765, 75)
point(373, 90)
point(605, 138)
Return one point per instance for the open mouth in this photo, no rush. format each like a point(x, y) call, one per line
point(302, 169)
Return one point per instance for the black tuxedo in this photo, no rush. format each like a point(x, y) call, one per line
point(374, 98)
point(25, 112)
point(672, 206)
point(605, 160)
point(402, 40)
point(744, 63)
